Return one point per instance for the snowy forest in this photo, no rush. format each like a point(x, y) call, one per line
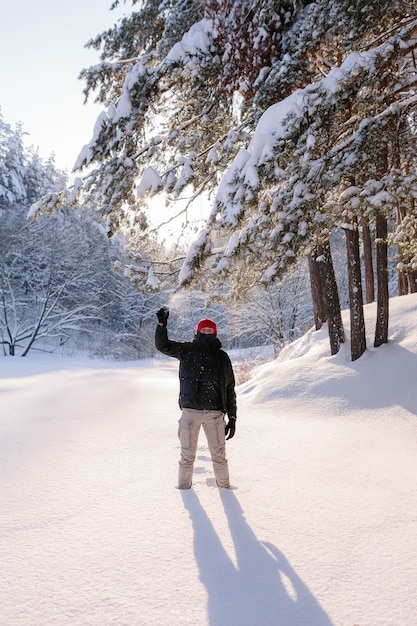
point(293, 123)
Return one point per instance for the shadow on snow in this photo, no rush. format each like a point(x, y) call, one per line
point(263, 589)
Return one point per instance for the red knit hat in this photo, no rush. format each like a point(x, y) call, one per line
point(206, 323)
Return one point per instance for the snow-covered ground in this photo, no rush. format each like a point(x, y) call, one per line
point(321, 529)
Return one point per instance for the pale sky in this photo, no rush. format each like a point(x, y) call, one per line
point(41, 55)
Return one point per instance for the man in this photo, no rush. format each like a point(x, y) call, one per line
point(207, 393)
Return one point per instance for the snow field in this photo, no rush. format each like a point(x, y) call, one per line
point(321, 529)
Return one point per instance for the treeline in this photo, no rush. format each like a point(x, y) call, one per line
point(58, 286)
point(66, 287)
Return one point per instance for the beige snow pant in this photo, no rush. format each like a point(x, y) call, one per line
point(188, 430)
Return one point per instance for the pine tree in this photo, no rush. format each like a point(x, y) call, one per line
point(293, 184)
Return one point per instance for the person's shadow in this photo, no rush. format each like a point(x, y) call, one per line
point(263, 589)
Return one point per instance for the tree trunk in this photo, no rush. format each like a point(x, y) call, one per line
point(382, 314)
point(357, 320)
point(368, 262)
point(402, 283)
point(331, 298)
point(316, 291)
point(412, 279)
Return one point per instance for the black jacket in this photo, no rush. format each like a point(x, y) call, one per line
point(193, 359)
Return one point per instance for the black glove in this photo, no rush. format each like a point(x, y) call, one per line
point(163, 315)
point(230, 428)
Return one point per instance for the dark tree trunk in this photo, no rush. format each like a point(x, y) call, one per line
point(402, 283)
point(412, 279)
point(357, 320)
point(331, 298)
point(368, 262)
point(382, 314)
point(316, 291)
